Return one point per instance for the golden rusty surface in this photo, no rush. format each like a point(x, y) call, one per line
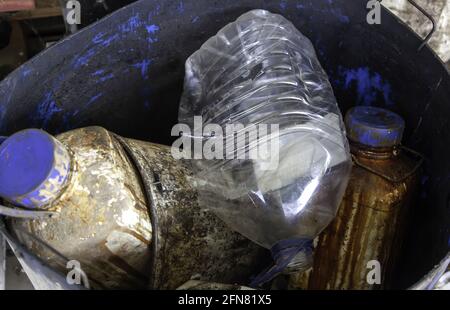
point(369, 226)
point(103, 221)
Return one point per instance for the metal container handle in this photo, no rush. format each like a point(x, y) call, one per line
point(431, 18)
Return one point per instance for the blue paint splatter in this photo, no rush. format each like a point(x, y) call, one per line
point(106, 77)
point(93, 99)
point(300, 6)
point(26, 72)
point(46, 110)
point(195, 19)
point(105, 42)
point(131, 25)
point(98, 72)
point(98, 37)
point(109, 40)
point(180, 7)
point(152, 30)
point(84, 59)
point(102, 77)
point(283, 5)
point(368, 85)
point(143, 66)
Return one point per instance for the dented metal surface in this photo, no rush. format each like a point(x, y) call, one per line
point(370, 225)
point(130, 216)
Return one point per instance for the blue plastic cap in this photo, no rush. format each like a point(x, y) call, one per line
point(33, 168)
point(374, 127)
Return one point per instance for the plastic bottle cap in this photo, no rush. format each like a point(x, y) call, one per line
point(374, 127)
point(34, 167)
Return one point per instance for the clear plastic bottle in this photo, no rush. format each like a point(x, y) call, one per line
point(262, 70)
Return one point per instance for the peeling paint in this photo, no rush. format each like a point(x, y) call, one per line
point(143, 66)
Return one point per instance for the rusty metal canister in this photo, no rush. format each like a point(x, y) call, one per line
point(370, 224)
point(126, 210)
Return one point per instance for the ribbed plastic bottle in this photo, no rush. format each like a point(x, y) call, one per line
point(262, 71)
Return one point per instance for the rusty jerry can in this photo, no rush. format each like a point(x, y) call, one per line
point(125, 210)
point(368, 230)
